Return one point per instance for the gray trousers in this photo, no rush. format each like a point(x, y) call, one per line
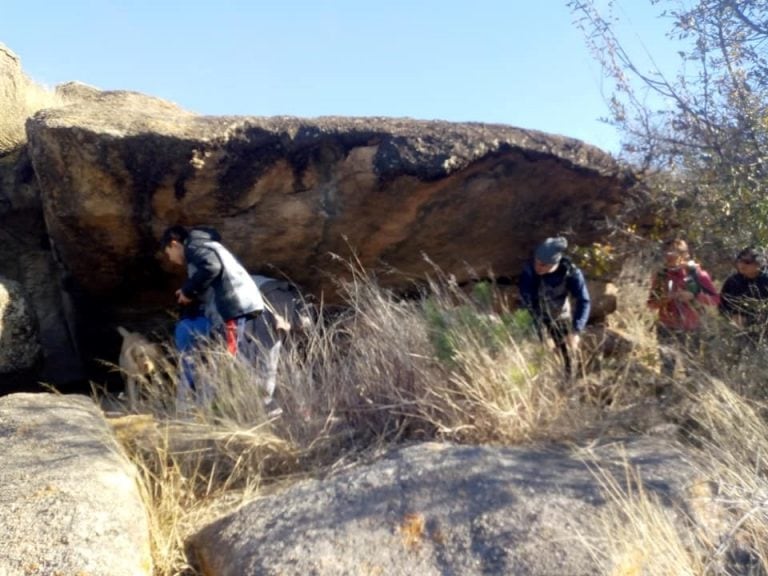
point(262, 348)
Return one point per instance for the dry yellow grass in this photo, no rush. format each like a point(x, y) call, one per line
point(640, 535)
point(440, 367)
point(720, 409)
point(17, 107)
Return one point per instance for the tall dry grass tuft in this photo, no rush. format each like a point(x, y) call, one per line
point(447, 364)
point(188, 476)
point(17, 106)
point(441, 365)
point(732, 434)
point(642, 536)
point(727, 512)
point(498, 383)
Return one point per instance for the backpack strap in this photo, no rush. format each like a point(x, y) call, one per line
point(693, 271)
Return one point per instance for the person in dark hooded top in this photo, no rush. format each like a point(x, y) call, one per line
point(231, 301)
point(553, 290)
point(744, 297)
point(216, 278)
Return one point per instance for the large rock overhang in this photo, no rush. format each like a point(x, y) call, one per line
point(288, 193)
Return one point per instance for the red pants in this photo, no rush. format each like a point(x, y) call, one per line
point(230, 331)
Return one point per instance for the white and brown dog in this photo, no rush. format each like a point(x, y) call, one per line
point(140, 361)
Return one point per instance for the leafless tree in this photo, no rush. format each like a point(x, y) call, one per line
point(702, 143)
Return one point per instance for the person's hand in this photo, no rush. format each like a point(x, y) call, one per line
point(572, 340)
point(181, 298)
point(281, 324)
point(683, 296)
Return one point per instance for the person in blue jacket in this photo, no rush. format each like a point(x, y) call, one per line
point(553, 290)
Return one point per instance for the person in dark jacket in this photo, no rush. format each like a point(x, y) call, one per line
point(232, 304)
point(218, 296)
point(744, 296)
point(216, 278)
point(553, 290)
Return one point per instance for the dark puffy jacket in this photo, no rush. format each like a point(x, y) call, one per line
point(746, 297)
point(215, 277)
point(547, 296)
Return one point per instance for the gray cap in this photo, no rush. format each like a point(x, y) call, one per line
point(551, 250)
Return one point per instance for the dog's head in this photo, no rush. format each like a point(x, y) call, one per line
point(144, 359)
point(139, 356)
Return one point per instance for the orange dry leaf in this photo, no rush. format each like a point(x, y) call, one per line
point(412, 530)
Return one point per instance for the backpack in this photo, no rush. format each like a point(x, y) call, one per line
point(693, 273)
point(285, 298)
point(556, 292)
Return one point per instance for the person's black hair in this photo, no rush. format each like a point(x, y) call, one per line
point(177, 232)
point(751, 254)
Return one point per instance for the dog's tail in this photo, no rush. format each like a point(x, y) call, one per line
point(123, 332)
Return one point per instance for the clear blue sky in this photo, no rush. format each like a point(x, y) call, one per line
point(517, 62)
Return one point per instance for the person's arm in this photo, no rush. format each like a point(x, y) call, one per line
point(528, 290)
point(207, 268)
point(658, 293)
point(708, 293)
point(728, 295)
point(577, 286)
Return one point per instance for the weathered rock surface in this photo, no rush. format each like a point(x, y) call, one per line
point(19, 342)
point(70, 502)
point(13, 83)
point(444, 509)
point(26, 257)
point(25, 252)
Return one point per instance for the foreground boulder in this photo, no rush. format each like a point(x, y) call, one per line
point(442, 509)
point(70, 500)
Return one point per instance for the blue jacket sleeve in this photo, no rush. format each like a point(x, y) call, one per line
point(207, 267)
point(528, 287)
point(577, 287)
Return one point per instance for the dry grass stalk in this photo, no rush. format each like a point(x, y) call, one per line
point(21, 104)
point(441, 366)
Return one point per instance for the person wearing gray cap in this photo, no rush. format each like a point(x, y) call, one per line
point(548, 284)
